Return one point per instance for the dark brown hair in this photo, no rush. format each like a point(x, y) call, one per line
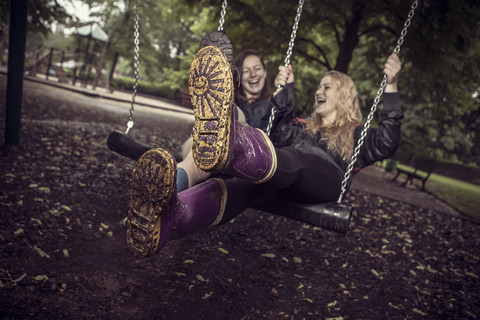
point(240, 98)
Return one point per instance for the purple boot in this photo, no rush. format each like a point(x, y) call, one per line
point(220, 144)
point(157, 214)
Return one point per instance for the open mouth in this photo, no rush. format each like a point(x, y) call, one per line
point(320, 100)
point(253, 82)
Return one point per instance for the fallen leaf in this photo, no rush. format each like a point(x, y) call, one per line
point(66, 207)
point(200, 278)
point(430, 269)
point(41, 252)
point(44, 189)
point(20, 278)
point(207, 295)
point(222, 250)
point(376, 273)
point(419, 312)
point(332, 304)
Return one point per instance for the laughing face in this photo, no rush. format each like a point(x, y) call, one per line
point(326, 101)
point(253, 77)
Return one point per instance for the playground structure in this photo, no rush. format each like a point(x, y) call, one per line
point(75, 66)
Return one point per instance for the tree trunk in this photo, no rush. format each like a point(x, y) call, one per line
point(350, 39)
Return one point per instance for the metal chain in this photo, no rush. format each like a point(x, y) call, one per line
point(136, 41)
point(294, 32)
point(363, 134)
point(222, 15)
point(287, 59)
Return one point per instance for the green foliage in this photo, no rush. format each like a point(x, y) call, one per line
point(462, 196)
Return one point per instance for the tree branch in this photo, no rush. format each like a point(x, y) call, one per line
point(325, 61)
point(375, 28)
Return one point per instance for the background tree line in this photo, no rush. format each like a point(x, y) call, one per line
point(440, 81)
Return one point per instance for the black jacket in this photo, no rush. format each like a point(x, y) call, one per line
point(257, 113)
point(379, 143)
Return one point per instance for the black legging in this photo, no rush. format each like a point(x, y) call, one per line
point(300, 177)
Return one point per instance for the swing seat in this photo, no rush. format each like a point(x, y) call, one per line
point(127, 146)
point(332, 216)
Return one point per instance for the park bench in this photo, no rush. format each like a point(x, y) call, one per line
point(421, 171)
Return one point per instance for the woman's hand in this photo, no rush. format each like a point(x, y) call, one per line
point(391, 70)
point(284, 76)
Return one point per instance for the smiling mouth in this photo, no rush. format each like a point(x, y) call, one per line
point(253, 82)
point(320, 100)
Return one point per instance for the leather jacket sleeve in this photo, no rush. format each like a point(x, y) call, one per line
point(282, 129)
point(382, 142)
point(257, 113)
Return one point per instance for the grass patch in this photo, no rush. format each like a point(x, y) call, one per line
point(461, 195)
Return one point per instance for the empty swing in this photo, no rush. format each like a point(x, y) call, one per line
point(122, 142)
point(333, 216)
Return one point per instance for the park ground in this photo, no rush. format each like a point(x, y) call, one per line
point(63, 204)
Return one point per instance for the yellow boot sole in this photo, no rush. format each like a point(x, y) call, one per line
point(152, 185)
point(211, 92)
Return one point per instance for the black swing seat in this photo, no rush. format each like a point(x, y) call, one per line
point(127, 146)
point(331, 216)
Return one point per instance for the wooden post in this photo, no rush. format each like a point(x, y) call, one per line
point(49, 63)
point(102, 60)
point(112, 70)
point(75, 59)
point(16, 63)
point(33, 72)
point(84, 67)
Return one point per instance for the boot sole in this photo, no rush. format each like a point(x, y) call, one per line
point(211, 93)
point(151, 188)
point(220, 40)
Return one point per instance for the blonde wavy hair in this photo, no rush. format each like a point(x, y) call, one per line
point(339, 134)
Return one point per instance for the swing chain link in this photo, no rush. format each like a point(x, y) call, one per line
point(294, 33)
point(222, 15)
point(380, 91)
point(136, 42)
point(287, 60)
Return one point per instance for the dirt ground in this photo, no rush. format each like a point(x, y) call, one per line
point(63, 253)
